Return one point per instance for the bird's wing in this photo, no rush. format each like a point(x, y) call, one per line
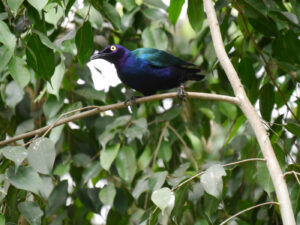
point(162, 59)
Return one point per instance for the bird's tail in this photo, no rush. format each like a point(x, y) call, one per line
point(193, 72)
point(193, 76)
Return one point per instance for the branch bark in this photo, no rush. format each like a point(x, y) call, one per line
point(281, 190)
point(93, 110)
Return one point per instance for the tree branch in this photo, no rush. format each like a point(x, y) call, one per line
point(93, 110)
point(262, 137)
point(248, 209)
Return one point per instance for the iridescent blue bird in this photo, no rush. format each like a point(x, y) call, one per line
point(148, 70)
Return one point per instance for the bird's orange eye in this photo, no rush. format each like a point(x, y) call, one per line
point(113, 48)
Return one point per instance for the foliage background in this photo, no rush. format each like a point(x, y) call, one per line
point(108, 163)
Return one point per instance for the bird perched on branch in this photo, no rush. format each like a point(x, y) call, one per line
point(148, 70)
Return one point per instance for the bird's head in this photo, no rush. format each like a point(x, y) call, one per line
point(112, 53)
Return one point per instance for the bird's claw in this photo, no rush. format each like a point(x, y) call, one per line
point(181, 94)
point(130, 102)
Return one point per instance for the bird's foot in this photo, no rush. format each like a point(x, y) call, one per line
point(181, 94)
point(130, 102)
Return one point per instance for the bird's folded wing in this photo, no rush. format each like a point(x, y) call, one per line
point(159, 58)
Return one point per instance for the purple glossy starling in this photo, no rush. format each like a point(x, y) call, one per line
point(148, 70)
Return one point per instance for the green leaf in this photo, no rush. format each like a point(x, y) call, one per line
point(2, 219)
point(26, 178)
point(157, 180)
point(228, 109)
point(13, 94)
point(5, 55)
point(212, 181)
point(141, 186)
point(126, 163)
point(111, 14)
point(119, 122)
point(56, 133)
point(156, 3)
point(165, 151)
point(196, 14)
point(92, 170)
point(294, 128)
point(263, 178)
point(248, 78)
point(161, 198)
point(207, 112)
point(56, 80)
point(105, 137)
point(266, 101)
point(84, 42)
point(89, 198)
point(14, 4)
point(137, 130)
point(108, 155)
point(57, 198)
point(31, 211)
point(40, 57)
point(19, 71)
point(155, 38)
point(17, 154)
point(6, 37)
point(128, 4)
point(91, 94)
point(41, 155)
point(154, 14)
point(53, 13)
point(295, 197)
point(239, 122)
point(62, 169)
point(38, 4)
point(51, 107)
point(174, 10)
point(145, 158)
point(108, 194)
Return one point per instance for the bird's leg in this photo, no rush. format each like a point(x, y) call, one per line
point(181, 93)
point(130, 102)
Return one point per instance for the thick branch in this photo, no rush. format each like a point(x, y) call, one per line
point(252, 116)
point(97, 109)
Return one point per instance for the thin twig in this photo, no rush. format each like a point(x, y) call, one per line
point(296, 174)
point(186, 147)
point(248, 209)
point(268, 70)
point(225, 165)
point(162, 134)
point(97, 109)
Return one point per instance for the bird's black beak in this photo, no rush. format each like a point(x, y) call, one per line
point(98, 55)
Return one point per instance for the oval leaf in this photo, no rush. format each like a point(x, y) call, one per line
point(174, 10)
point(108, 194)
point(108, 155)
point(26, 178)
point(31, 211)
point(126, 163)
point(196, 14)
point(19, 71)
point(13, 94)
point(161, 198)
point(41, 155)
point(15, 153)
point(38, 4)
point(84, 42)
point(212, 181)
point(266, 101)
point(40, 57)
